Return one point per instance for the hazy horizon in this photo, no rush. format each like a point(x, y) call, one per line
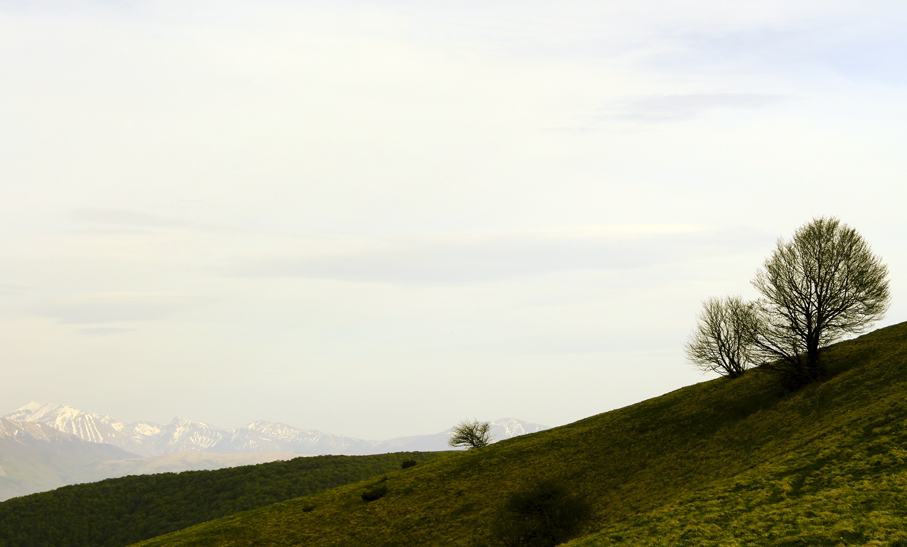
point(39, 411)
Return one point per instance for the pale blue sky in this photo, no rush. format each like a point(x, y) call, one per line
point(378, 218)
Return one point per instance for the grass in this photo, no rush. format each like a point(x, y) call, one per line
point(724, 462)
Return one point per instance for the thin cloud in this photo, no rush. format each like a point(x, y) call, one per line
point(127, 219)
point(118, 307)
point(103, 331)
point(495, 256)
point(9, 289)
point(870, 49)
point(667, 108)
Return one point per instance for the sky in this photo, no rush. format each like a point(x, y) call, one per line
point(378, 218)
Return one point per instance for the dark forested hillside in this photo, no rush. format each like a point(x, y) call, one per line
point(122, 511)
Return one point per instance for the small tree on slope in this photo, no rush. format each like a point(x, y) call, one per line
point(723, 339)
point(470, 434)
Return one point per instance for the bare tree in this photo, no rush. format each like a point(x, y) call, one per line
point(723, 339)
point(822, 285)
point(470, 434)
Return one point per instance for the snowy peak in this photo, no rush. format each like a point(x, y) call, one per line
point(277, 430)
point(277, 437)
point(21, 431)
point(141, 431)
point(510, 427)
point(60, 416)
point(186, 435)
point(96, 428)
point(32, 412)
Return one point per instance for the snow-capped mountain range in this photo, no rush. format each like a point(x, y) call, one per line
point(180, 435)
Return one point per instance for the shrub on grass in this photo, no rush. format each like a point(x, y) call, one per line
point(543, 515)
point(377, 491)
point(407, 464)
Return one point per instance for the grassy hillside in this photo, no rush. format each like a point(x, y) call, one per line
point(117, 512)
point(725, 462)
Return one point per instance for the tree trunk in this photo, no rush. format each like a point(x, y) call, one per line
point(813, 366)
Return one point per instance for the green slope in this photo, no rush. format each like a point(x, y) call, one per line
point(117, 512)
point(723, 462)
point(824, 466)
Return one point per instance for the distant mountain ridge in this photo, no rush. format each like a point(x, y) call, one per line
point(96, 428)
point(36, 457)
point(181, 435)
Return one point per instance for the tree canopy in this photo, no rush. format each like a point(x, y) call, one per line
point(816, 288)
point(470, 434)
point(821, 285)
point(722, 341)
